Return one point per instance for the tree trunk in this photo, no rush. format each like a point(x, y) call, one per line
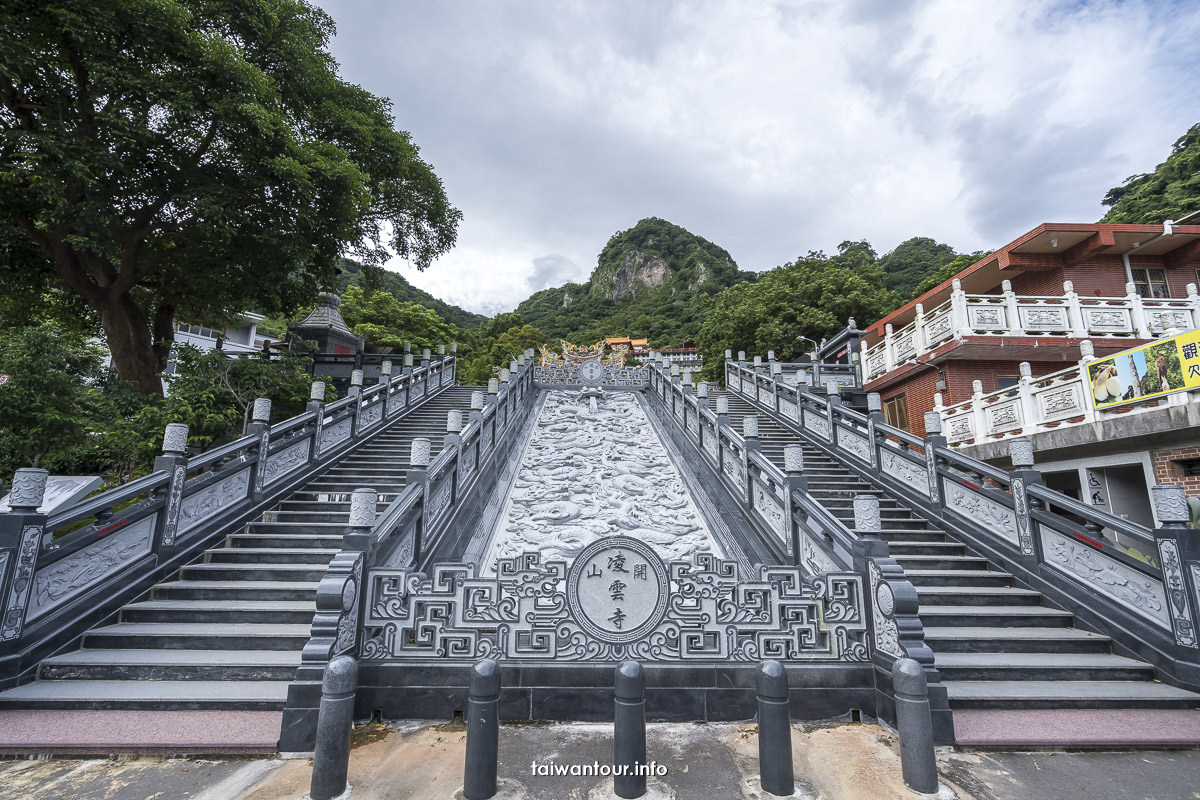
point(135, 353)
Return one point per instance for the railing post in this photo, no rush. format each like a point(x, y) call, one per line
point(1023, 476)
point(629, 731)
point(1179, 558)
point(417, 475)
point(832, 402)
point(1087, 354)
point(914, 722)
point(775, 771)
point(1137, 312)
point(874, 418)
point(933, 440)
point(794, 481)
point(173, 461)
point(335, 724)
point(1074, 310)
point(363, 508)
point(483, 731)
point(453, 441)
point(356, 390)
point(1029, 407)
point(868, 524)
point(750, 439)
point(476, 407)
point(1194, 298)
point(889, 348)
point(959, 317)
point(260, 426)
point(21, 532)
point(407, 369)
point(316, 404)
point(981, 420)
point(1012, 306)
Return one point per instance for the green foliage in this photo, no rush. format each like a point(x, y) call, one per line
point(376, 278)
point(384, 321)
point(667, 315)
point(498, 351)
point(814, 296)
point(51, 398)
point(1170, 192)
point(912, 262)
point(948, 271)
point(188, 158)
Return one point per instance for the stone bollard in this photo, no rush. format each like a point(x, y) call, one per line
point(331, 757)
point(483, 731)
point(917, 759)
point(629, 731)
point(774, 730)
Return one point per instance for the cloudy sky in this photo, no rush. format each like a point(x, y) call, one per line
point(769, 128)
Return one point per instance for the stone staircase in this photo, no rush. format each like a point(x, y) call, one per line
point(997, 645)
point(227, 633)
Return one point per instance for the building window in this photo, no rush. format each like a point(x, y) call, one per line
point(895, 412)
point(1007, 381)
point(197, 330)
point(1150, 282)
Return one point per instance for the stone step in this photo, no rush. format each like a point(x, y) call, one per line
point(298, 612)
point(196, 636)
point(269, 555)
point(235, 590)
point(254, 572)
point(965, 639)
point(172, 665)
point(976, 595)
point(902, 547)
point(911, 535)
point(1041, 666)
point(941, 562)
point(1068, 694)
point(958, 577)
point(318, 516)
point(996, 616)
point(299, 528)
point(241, 695)
point(284, 540)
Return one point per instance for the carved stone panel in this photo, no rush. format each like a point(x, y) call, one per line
point(1134, 590)
point(787, 408)
point(854, 444)
point(1004, 416)
point(816, 423)
point(1165, 320)
point(1179, 604)
point(69, 576)
point(1044, 318)
point(1107, 320)
point(937, 329)
point(702, 611)
point(904, 470)
point(960, 428)
point(22, 582)
point(201, 505)
point(286, 460)
point(370, 416)
point(983, 511)
point(769, 510)
point(905, 347)
point(334, 435)
point(883, 607)
point(987, 317)
point(1061, 402)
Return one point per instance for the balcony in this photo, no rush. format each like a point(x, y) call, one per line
point(1035, 405)
point(1105, 320)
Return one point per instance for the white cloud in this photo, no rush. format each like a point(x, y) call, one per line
point(770, 130)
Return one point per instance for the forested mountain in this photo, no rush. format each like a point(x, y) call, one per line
point(354, 274)
point(652, 281)
point(914, 260)
point(1170, 192)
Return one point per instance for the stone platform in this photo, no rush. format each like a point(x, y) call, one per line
point(142, 732)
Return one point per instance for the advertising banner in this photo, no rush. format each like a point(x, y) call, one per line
point(1143, 373)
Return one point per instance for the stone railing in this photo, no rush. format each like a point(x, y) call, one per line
point(1010, 314)
point(1035, 405)
point(61, 574)
point(1080, 557)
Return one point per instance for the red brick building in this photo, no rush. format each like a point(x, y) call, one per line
point(996, 351)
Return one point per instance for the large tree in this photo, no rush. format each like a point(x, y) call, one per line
point(172, 159)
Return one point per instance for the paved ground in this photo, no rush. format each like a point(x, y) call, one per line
point(709, 762)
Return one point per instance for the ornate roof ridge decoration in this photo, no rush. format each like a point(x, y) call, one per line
point(697, 611)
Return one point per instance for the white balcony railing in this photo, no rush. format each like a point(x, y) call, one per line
point(1034, 405)
point(1009, 314)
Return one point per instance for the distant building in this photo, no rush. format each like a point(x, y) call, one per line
point(997, 352)
point(636, 346)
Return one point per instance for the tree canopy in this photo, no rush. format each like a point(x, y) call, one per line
point(912, 262)
point(1170, 192)
point(167, 159)
point(813, 296)
point(384, 321)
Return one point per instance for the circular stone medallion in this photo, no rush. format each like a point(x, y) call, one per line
point(617, 589)
point(591, 371)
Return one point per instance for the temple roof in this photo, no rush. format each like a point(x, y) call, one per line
point(325, 319)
